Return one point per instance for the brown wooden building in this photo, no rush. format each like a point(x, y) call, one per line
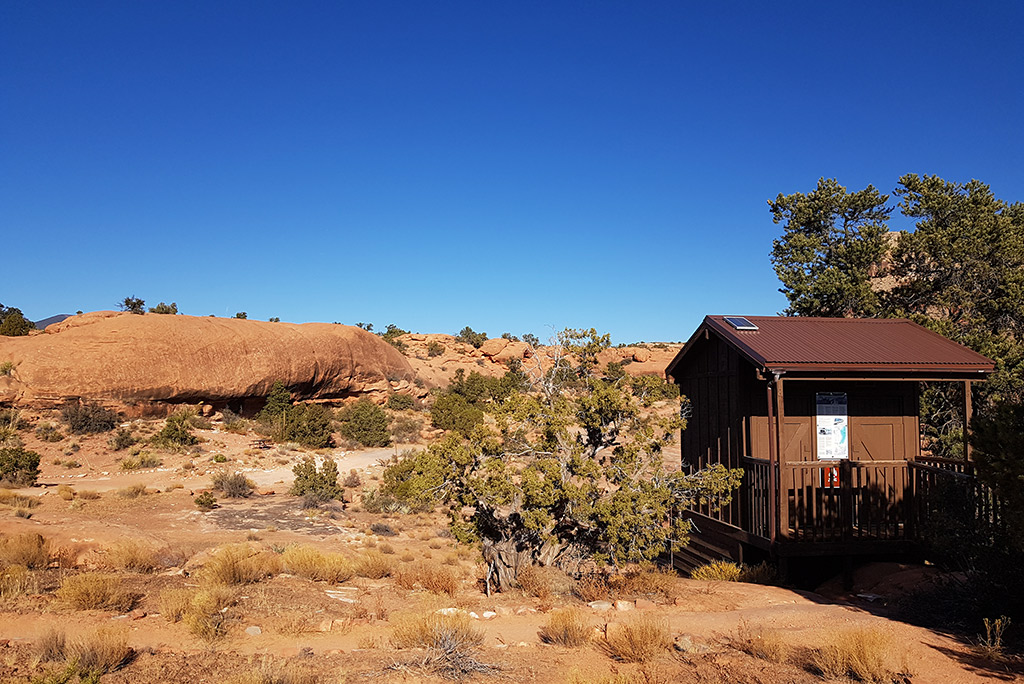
point(822, 415)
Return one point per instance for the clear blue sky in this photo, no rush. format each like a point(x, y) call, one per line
point(509, 166)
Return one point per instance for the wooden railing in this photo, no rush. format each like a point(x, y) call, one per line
point(944, 497)
point(756, 498)
point(957, 465)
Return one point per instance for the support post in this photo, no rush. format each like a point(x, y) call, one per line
point(968, 411)
point(773, 465)
point(780, 434)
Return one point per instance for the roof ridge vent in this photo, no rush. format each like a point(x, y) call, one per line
point(739, 323)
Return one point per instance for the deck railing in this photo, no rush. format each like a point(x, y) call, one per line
point(756, 498)
point(944, 497)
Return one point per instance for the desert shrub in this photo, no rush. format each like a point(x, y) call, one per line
point(18, 466)
point(176, 432)
point(52, 645)
point(311, 563)
point(991, 645)
point(132, 492)
point(400, 402)
point(406, 429)
point(431, 576)
point(88, 417)
point(162, 308)
point(470, 336)
point(383, 530)
point(310, 425)
point(352, 480)
point(143, 459)
point(373, 565)
point(865, 654)
point(95, 591)
point(436, 630)
point(66, 492)
point(132, 305)
point(174, 603)
point(268, 673)
point(592, 587)
point(30, 549)
point(205, 616)
point(451, 411)
point(132, 555)
point(234, 485)
point(205, 501)
point(543, 582)
point(322, 483)
point(9, 498)
point(646, 582)
point(366, 423)
point(88, 494)
point(122, 439)
point(105, 650)
point(434, 348)
point(48, 432)
point(762, 573)
point(376, 502)
point(766, 644)
point(718, 571)
point(638, 641)
point(16, 580)
point(7, 368)
point(391, 335)
point(239, 564)
point(568, 627)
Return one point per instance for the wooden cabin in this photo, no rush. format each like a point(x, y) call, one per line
point(822, 415)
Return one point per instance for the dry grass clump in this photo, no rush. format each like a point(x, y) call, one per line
point(205, 615)
point(30, 549)
point(16, 580)
point(95, 591)
point(15, 500)
point(88, 495)
point(269, 673)
point(543, 582)
point(233, 485)
point(718, 571)
point(638, 641)
point(66, 492)
point(435, 630)
point(568, 627)
point(433, 577)
point(52, 646)
point(143, 459)
point(105, 650)
point(593, 587)
point(312, 563)
point(240, 564)
point(762, 573)
point(645, 582)
point(133, 492)
point(174, 603)
point(766, 644)
point(862, 653)
point(133, 556)
point(373, 565)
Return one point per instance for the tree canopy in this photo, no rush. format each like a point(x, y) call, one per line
point(13, 323)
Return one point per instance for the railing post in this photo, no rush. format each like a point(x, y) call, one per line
point(911, 505)
point(846, 498)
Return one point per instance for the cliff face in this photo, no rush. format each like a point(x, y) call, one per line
point(166, 358)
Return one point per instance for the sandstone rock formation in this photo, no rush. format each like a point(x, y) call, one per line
point(166, 358)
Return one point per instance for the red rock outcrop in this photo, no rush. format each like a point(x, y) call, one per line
point(166, 358)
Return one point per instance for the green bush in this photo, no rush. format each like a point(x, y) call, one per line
point(366, 423)
point(451, 411)
point(322, 484)
point(122, 439)
point(310, 425)
point(470, 336)
point(233, 486)
point(400, 402)
point(14, 324)
point(205, 501)
point(19, 466)
point(435, 348)
point(162, 308)
point(176, 432)
point(88, 417)
point(132, 305)
point(48, 432)
point(391, 336)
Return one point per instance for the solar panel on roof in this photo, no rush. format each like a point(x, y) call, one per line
point(740, 323)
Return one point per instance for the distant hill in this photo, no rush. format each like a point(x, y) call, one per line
point(51, 320)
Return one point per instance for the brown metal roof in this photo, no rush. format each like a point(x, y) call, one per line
point(831, 344)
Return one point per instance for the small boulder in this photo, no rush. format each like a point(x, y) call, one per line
point(253, 630)
point(642, 355)
point(624, 605)
point(493, 347)
point(601, 605)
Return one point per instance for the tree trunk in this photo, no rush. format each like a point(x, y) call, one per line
point(504, 560)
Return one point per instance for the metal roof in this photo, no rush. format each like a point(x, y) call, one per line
point(796, 343)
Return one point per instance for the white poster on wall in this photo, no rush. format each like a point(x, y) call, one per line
point(832, 426)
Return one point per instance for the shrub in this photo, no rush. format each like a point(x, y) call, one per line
point(406, 429)
point(990, 646)
point(9, 498)
point(239, 564)
point(451, 411)
point(16, 580)
point(373, 565)
point(7, 368)
point(122, 439)
point(433, 577)
point(88, 417)
point(865, 654)
point(19, 467)
point(176, 432)
point(352, 480)
point(543, 582)
point(13, 323)
point(66, 492)
point(143, 459)
point(647, 582)
point(95, 591)
point(105, 650)
point(592, 587)
point(219, 458)
point(470, 336)
point(375, 501)
point(435, 630)
point(762, 573)
point(30, 550)
point(568, 627)
point(718, 571)
point(322, 483)
point(639, 641)
point(48, 432)
point(241, 314)
point(88, 494)
point(205, 616)
point(383, 530)
point(133, 556)
point(434, 348)
point(766, 644)
point(132, 305)
point(366, 423)
point(233, 486)
point(132, 492)
point(162, 308)
point(52, 645)
point(174, 603)
point(311, 563)
point(400, 402)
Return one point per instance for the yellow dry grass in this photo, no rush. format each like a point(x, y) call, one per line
point(567, 627)
point(863, 653)
point(638, 641)
point(312, 563)
point(95, 591)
